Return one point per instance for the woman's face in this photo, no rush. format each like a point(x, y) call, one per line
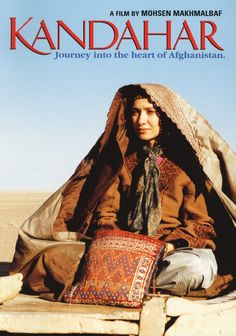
point(145, 120)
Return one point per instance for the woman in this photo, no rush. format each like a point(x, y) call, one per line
point(158, 169)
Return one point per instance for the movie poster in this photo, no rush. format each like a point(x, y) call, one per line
point(62, 63)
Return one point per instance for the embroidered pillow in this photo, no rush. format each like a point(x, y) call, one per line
point(118, 269)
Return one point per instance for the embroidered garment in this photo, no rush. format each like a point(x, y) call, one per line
point(118, 270)
point(185, 217)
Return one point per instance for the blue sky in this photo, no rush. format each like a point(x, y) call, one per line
point(52, 111)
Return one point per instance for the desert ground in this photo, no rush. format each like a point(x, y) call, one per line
point(15, 208)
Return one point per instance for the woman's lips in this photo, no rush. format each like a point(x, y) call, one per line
point(140, 130)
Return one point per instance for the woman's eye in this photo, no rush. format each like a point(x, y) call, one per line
point(151, 111)
point(134, 112)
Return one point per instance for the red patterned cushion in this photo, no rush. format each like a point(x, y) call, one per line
point(118, 269)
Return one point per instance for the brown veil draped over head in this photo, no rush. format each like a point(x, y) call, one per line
point(65, 217)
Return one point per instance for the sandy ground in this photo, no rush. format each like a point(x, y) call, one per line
point(15, 208)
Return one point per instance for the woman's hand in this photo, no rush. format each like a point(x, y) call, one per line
point(168, 249)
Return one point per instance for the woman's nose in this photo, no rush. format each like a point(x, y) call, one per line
point(142, 118)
